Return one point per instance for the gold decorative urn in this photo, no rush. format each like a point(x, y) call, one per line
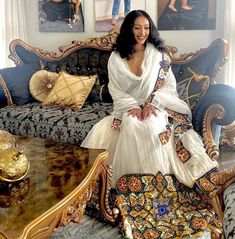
point(13, 163)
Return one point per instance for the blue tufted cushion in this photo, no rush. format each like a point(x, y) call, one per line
point(17, 81)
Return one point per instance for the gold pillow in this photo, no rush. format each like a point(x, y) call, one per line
point(70, 90)
point(41, 84)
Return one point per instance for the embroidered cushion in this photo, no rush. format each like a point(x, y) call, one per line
point(17, 81)
point(193, 88)
point(70, 90)
point(158, 206)
point(41, 84)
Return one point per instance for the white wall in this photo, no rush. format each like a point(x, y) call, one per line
point(185, 41)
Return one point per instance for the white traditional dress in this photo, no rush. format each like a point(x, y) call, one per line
point(137, 147)
point(148, 155)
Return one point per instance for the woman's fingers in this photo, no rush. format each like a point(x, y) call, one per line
point(136, 112)
point(116, 124)
point(148, 111)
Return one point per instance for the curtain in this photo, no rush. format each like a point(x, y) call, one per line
point(13, 20)
point(2, 30)
point(229, 34)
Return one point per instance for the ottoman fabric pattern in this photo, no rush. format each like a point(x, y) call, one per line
point(55, 123)
point(229, 213)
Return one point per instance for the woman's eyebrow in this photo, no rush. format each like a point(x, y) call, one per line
point(146, 25)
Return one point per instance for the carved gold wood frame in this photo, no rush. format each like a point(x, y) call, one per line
point(103, 42)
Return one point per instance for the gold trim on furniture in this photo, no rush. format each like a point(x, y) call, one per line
point(70, 208)
point(104, 43)
point(214, 112)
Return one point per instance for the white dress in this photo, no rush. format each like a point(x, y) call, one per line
point(136, 148)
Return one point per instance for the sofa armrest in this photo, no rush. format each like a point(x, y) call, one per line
point(215, 109)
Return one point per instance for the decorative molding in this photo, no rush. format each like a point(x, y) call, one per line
point(70, 208)
point(229, 136)
point(75, 211)
point(103, 42)
point(215, 111)
point(106, 183)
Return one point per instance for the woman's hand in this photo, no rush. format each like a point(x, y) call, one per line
point(116, 124)
point(148, 110)
point(136, 112)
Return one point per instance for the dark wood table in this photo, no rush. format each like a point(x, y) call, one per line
point(55, 191)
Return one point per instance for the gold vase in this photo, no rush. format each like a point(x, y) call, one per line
point(13, 163)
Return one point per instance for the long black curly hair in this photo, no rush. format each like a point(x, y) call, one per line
point(125, 41)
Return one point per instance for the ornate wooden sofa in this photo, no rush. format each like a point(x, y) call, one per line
point(195, 73)
point(212, 104)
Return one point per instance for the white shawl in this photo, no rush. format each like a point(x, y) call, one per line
point(130, 91)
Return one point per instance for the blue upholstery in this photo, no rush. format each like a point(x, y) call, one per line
point(219, 94)
point(17, 81)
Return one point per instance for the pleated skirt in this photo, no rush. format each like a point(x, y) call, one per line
point(136, 148)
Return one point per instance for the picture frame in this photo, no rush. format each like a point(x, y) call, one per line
point(186, 14)
point(61, 15)
point(110, 13)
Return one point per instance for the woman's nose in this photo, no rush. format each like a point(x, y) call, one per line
point(142, 31)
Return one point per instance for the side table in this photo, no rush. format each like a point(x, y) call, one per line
point(55, 191)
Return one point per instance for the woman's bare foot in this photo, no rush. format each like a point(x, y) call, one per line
point(171, 7)
point(76, 18)
point(114, 21)
point(186, 7)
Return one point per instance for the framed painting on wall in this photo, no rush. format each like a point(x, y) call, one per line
point(60, 15)
point(186, 14)
point(110, 13)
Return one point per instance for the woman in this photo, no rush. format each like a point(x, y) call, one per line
point(66, 10)
point(134, 136)
point(149, 130)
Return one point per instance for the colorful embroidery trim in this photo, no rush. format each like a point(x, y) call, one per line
point(159, 206)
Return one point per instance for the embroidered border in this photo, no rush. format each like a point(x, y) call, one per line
point(206, 184)
point(183, 121)
point(162, 73)
point(159, 206)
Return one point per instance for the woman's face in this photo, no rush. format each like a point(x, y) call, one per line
point(141, 29)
